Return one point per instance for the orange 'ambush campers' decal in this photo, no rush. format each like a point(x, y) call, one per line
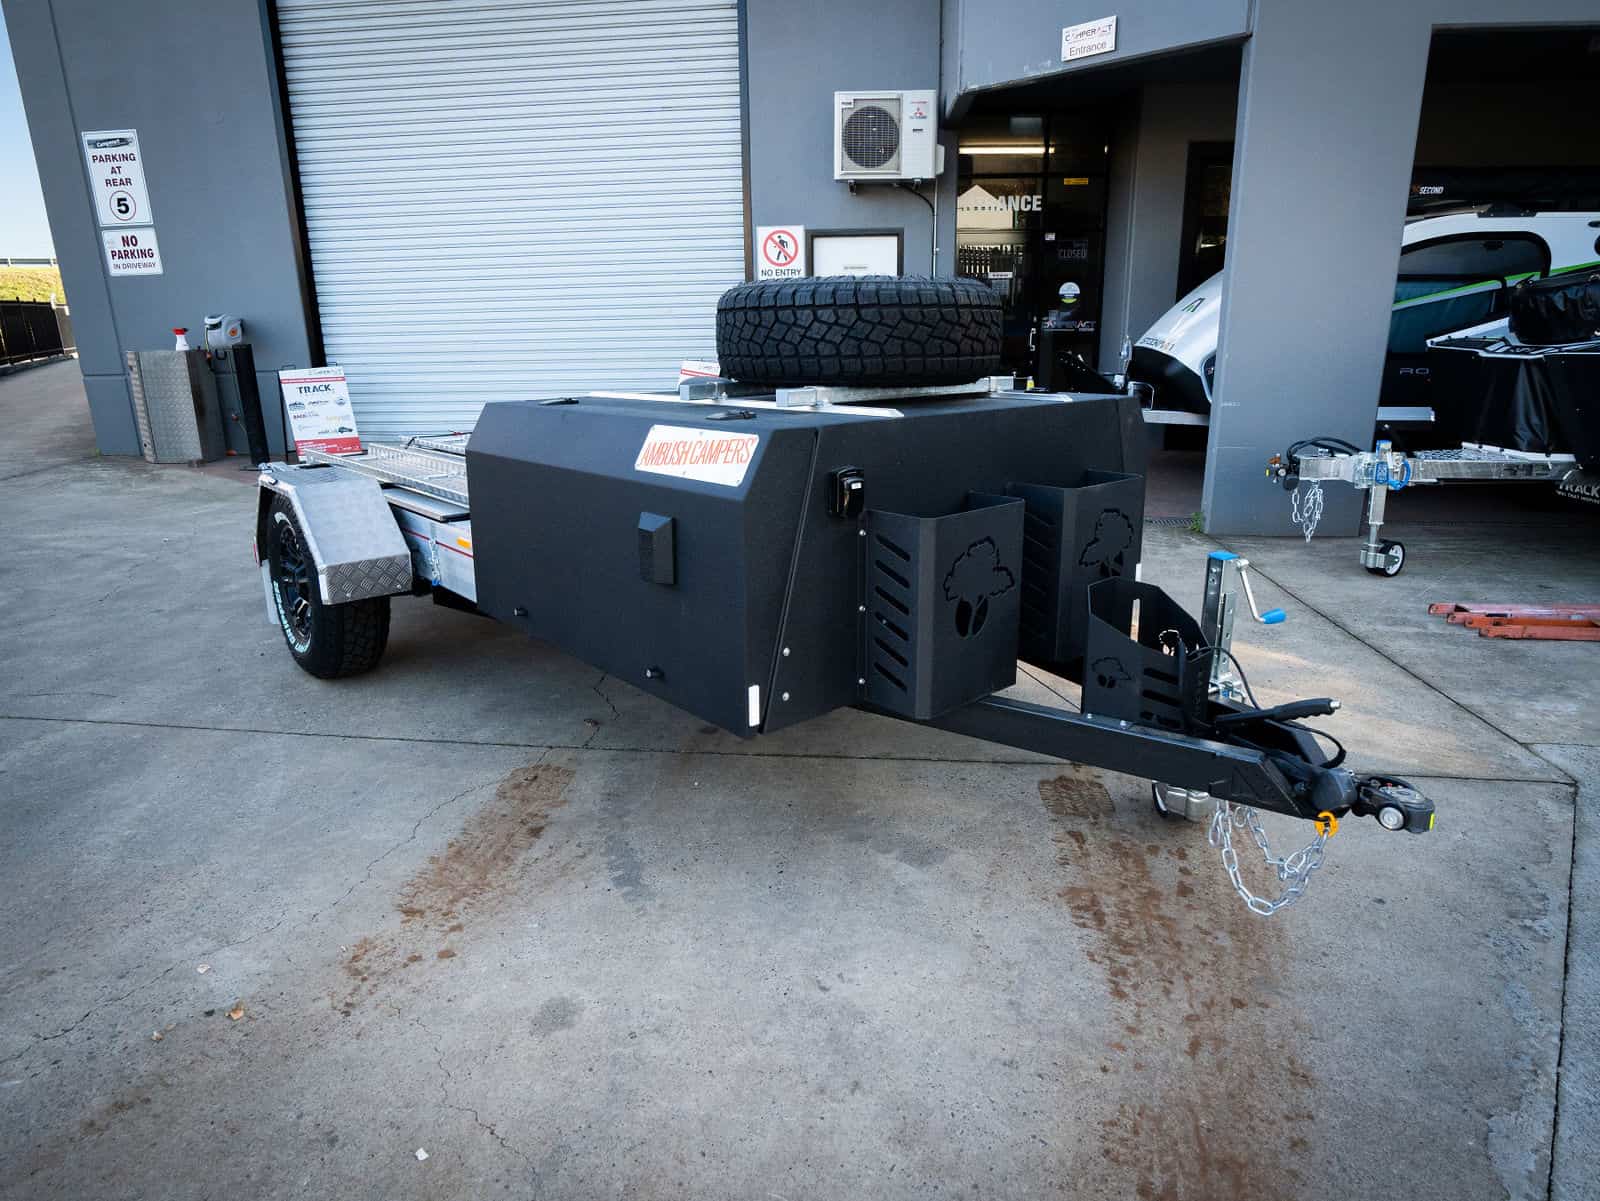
point(707, 455)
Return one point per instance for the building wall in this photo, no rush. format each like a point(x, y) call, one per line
point(1145, 223)
point(196, 80)
point(1022, 40)
point(798, 55)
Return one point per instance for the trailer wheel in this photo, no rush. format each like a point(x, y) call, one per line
point(871, 330)
point(1394, 559)
point(328, 641)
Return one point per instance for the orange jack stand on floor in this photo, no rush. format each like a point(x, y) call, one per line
point(1557, 623)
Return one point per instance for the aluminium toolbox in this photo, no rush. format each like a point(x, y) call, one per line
point(761, 565)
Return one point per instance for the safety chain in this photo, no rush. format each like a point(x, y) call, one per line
point(1306, 514)
point(1295, 870)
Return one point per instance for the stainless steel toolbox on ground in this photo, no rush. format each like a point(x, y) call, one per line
point(175, 406)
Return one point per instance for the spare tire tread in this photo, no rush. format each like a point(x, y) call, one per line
point(869, 330)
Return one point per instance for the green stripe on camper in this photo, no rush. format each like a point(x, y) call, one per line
point(1488, 284)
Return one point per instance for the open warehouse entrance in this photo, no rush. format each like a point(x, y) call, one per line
point(1101, 203)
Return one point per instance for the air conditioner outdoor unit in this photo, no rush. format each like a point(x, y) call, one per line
point(885, 136)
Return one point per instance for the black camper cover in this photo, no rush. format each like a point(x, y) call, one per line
point(1556, 311)
point(1498, 394)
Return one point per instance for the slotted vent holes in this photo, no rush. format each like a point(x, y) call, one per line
point(891, 611)
point(871, 136)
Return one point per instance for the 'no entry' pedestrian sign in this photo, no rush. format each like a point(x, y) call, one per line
point(780, 251)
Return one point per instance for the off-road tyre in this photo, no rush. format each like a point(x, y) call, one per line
point(329, 641)
point(873, 330)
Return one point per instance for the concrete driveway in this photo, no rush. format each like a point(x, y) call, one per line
point(269, 936)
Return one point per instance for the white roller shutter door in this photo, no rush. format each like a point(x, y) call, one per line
point(516, 199)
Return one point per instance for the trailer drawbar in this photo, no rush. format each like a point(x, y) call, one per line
point(858, 515)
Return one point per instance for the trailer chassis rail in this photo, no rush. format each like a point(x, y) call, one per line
point(1279, 773)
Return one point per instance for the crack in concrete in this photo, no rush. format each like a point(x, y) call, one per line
point(799, 756)
point(447, 1079)
point(71, 692)
point(598, 691)
point(127, 578)
point(416, 826)
point(1566, 980)
point(22, 475)
point(150, 983)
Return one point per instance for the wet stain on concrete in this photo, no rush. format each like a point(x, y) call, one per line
point(473, 877)
point(106, 1116)
point(558, 1013)
point(1220, 1101)
point(626, 868)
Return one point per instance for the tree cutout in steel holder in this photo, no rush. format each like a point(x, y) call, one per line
point(941, 605)
point(1076, 534)
point(1153, 674)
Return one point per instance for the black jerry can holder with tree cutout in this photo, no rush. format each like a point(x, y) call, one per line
point(941, 606)
point(1145, 658)
point(1074, 535)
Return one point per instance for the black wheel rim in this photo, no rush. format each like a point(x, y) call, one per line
point(292, 577)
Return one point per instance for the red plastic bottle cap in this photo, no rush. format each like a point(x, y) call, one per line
point(180, 329)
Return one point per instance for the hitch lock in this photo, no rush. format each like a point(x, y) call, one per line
point(1396, 804)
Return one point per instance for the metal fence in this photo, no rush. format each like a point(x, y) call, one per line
point(29, 330)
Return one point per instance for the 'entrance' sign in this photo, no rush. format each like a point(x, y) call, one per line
point(1089, 39)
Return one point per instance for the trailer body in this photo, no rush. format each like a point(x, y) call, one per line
point(760, 566)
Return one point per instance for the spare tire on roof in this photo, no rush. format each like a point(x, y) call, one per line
point(859, 330)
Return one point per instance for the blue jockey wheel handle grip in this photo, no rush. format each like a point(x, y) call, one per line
point(1274, 617)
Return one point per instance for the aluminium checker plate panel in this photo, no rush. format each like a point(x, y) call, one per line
point(349, 529)
point(176, 397)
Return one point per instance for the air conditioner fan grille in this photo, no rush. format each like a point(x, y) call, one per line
point(871, 136)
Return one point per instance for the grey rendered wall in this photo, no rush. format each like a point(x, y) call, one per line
point(1306, 315)
point(1145, 222)
point(1021, 39)
point(194, 77)
point(798, 55)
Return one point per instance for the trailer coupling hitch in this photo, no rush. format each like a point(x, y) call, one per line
point(1397, 804)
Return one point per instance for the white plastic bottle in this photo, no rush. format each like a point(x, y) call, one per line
point(183, 343)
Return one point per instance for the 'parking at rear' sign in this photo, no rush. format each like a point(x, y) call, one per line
point(116, 177)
